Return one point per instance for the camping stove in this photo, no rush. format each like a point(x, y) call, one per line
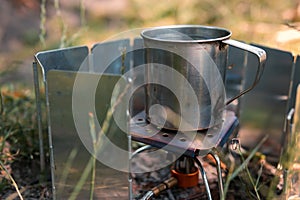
point(145, 132)
point(184, 171)
point(60, 69)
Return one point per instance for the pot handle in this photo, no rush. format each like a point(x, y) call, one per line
point(261, 55)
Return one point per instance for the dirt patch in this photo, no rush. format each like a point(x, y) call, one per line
point(26, 173)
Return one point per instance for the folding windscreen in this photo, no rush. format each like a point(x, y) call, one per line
point(79, 88)
point(77, 98)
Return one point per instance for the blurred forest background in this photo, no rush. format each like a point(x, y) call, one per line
point(31, 26)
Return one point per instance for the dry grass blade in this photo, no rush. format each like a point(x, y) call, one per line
point(245, 163)
point(12, 179)
point(97, 143)
point(82, 180)
point(82, 13)
point(66, 169)
point(43, 23)
point(93, 134)
point(1, 104)
point(238, 170)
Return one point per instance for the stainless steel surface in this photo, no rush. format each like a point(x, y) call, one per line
point(69, 157)
point(219, 172)
point(106, 56)
point(65, 59)
point(70, 59)
point(179, 142)
point(148, 196)
point(295, 81)
point(261, 56)
point(290, 158)
point(264, 109)
point(296, 124)
point(235, 77)
point(65, 138)
point(286, 146)
point(184, 165)
point(39, 116)
point(194, 99)
point(204, 177)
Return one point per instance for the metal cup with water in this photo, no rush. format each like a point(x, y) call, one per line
point(185, 75)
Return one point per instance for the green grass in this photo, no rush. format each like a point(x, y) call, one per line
point(17, 120)
point(18, 131)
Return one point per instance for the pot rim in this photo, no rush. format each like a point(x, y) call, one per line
point(152, 33)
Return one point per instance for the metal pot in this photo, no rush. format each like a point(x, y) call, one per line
point(185, 75)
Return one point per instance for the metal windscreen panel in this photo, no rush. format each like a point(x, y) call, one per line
point(295, 82)
point(138, 98)
point(263, 110)
point(110, 57)
point(234, 76)
point(72, 140)
point(71, 59)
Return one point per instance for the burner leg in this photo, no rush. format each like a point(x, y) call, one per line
point(219, 172)
point(205, 181)
point(141, 149)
